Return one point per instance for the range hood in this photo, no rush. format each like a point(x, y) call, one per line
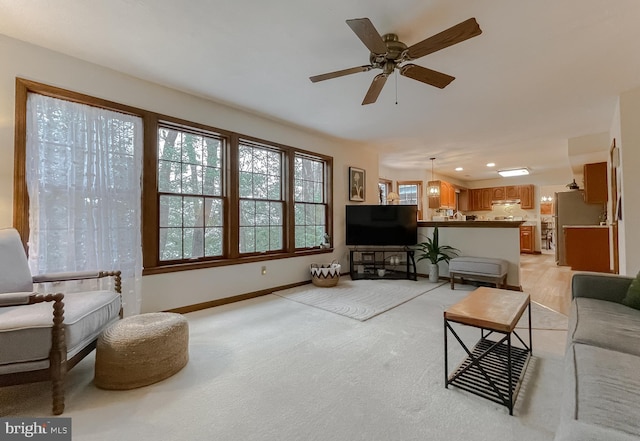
point(506, 202)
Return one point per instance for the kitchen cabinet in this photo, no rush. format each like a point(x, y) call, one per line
point(446, 197)
point(480, 199)
point(595, 183)
point(587, 248)
point(498, 194)
point(486, 199)
point(464, 200)
point(526, 197)
point(527, 236)
point(512, 192)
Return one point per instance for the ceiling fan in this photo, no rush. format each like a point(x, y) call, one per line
point(387, 53)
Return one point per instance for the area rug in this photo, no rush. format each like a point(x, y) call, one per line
point(359, 299)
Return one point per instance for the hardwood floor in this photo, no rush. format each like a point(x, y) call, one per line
point(546, 283)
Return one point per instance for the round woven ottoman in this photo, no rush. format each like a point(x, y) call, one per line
point(140, 350)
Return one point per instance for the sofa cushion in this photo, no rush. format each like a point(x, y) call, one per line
point(602, 388)
point(632, 298)
point(25, 331)
point(605, 324)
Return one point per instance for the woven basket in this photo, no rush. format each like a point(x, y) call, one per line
point(325, 275)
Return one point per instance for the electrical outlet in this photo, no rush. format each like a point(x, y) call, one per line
point(263, 271)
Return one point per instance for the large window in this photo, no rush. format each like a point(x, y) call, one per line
point(209, 197)
point(261, 199)
point(410, 193)
point(83, 179)
point(190, 194)
point(310, 202)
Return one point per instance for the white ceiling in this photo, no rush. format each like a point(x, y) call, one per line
point(540, 73)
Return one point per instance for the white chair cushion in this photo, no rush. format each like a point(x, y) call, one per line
point(15, 275)
point(26, 337)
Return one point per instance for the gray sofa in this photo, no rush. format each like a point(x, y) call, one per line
point(601, 390)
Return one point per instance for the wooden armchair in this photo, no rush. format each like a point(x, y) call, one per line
point(38, 342)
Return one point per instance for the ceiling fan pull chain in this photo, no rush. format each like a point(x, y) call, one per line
point(396, 75)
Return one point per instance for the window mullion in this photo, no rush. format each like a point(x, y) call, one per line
point(233, 199)
point(289, 203)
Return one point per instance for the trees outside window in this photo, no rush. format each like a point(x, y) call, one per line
point(261, 200)
point(310, 202)
point(209, 196)
point(190, 194)
point(83, 169)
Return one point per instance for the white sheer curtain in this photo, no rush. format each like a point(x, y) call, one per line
point(83, 176)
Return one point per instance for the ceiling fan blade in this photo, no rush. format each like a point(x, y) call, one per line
point(427, 76)
point(340, 73)
point(368, 34)
point(374, 90)
point(455, 34)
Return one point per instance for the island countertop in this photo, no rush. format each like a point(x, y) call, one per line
point(471, 224)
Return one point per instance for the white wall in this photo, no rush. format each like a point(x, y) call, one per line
point(629, 143)
point(497, 243)
point(161, 292)
point(587, 149)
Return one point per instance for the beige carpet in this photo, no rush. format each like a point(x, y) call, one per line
point(270, 369)
point(359, 299)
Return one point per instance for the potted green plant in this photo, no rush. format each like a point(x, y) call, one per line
point(432, 251)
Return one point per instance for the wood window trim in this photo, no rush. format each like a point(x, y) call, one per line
point(150, 197)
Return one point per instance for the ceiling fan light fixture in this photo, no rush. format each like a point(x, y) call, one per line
point(523, 171)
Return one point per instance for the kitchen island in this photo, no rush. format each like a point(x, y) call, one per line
point(496, 239)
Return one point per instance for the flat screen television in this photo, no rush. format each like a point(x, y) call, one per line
point(382, 225)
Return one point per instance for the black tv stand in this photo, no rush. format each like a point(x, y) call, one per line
point(382, 262)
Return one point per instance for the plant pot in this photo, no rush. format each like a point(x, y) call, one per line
point(434, 272)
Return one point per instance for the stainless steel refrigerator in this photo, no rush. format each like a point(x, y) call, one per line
point(571, 209)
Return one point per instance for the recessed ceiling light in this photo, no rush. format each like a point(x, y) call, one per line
point(514, 172)
point(491, 164)
point(459, 168)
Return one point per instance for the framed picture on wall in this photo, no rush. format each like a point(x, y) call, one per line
point(356, 184)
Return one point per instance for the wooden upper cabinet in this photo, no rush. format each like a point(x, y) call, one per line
point(487, 194)
point(452, 196)
point(475, 199)
point(446, 197)
point(498, 194)
point(480, 199)
point(526, 197)
point(464, 200)
point(512, 192)
point(595, 183)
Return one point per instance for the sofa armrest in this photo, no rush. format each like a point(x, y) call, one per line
point(15, 298)
point(609, 287)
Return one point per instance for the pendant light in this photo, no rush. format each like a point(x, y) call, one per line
point(433, 190)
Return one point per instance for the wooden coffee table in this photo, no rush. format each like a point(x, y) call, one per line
point(493, 368)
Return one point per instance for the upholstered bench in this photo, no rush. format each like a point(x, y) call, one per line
point(479, 268)
point(141, 350)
